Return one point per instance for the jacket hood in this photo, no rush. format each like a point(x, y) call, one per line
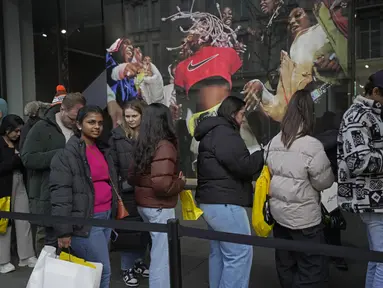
point(50, 115)
point(208, 124)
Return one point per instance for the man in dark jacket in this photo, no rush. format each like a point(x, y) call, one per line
point(42, 142)
point(35, 110)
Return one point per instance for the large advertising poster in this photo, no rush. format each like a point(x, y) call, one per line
point(260, 50)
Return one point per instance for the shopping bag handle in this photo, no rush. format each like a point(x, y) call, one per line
point(67, 250)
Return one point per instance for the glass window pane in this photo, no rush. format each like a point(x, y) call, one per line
point(365, 45)
point(375, 44)
point(156, 53)
point(156, 17)
point(364, 24)
point(375, 23)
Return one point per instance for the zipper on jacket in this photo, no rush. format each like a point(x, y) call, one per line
point(89, 178)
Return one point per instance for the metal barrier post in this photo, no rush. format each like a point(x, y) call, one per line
point(175, 268)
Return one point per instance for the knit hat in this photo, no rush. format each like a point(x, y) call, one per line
point(60, 94)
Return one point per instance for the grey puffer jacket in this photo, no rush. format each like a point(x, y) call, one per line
point(71, 186)
point(299, 174)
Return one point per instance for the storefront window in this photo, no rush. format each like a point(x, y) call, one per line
point(180, 46)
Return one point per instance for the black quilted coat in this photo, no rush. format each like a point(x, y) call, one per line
point(71, 186)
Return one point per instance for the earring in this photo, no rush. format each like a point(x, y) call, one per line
point(79, 129)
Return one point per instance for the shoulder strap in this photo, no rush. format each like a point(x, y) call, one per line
point(268, 149)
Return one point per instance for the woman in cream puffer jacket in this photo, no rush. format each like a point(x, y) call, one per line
point(300, 170)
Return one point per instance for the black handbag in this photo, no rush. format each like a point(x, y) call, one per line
point(126, 240)
point(333, 220)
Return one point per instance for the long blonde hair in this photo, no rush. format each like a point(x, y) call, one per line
point(138, 106)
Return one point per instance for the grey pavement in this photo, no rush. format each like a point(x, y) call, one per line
point(195, 253)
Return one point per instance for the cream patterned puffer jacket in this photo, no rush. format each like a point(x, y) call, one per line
point(299, 174)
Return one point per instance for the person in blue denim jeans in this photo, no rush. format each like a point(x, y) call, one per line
point(122, 141)
point(82, 181)
point(360, 167)
point(225, 170)
point(157, 183)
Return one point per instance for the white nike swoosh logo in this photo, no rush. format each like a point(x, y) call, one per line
point(193, 67)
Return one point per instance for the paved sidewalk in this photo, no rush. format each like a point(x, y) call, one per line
point(195, 253)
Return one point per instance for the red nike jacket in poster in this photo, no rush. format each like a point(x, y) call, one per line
point(207, 62)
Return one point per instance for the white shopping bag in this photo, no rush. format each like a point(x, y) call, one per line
point(330, 198)
point(52, 272)
point(37, 277)
point(64, 274)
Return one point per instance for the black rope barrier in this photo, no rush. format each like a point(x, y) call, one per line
point(175, 231)
point(44, 220)
point(283, 244)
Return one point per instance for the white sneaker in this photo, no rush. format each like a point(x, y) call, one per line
point(6, 268)
point(30, 262)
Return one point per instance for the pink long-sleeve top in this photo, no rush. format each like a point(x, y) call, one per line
point(100, 176)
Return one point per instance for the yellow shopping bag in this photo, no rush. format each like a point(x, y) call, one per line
point(189, 210)
point(70, 258)
point(262, 220)
point(5, 206)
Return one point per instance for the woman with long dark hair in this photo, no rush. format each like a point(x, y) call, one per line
point(225, 170)
point(12, 175)
point(131, 244)
point(82, 180)
point(157, 183)
point(300, 170)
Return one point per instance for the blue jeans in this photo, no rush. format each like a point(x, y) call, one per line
point(129, 258)
point(95, 248)
point(374, 223)
point(229, 263)
point(159, 276)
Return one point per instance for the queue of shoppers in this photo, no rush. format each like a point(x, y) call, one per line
point(65, 169)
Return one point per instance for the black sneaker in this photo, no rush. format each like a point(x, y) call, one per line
point(141, 269)
point(130, 279)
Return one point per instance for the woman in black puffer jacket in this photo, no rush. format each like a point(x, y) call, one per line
point(83, 183)
point(132, 244)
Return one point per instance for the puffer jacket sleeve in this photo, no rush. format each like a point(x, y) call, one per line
point(163, 179)
point(61, 191)
point(114, 154)
point(231, 151)
point(319, 167)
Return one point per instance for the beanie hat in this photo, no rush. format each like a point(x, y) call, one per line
point(60, 94)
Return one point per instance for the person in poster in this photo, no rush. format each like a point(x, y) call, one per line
point(209, 56)
point(317, 57)
point(130, 76)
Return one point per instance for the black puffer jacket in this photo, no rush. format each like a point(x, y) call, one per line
point(71, 186)
point(225, 167)
point(122, 152)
